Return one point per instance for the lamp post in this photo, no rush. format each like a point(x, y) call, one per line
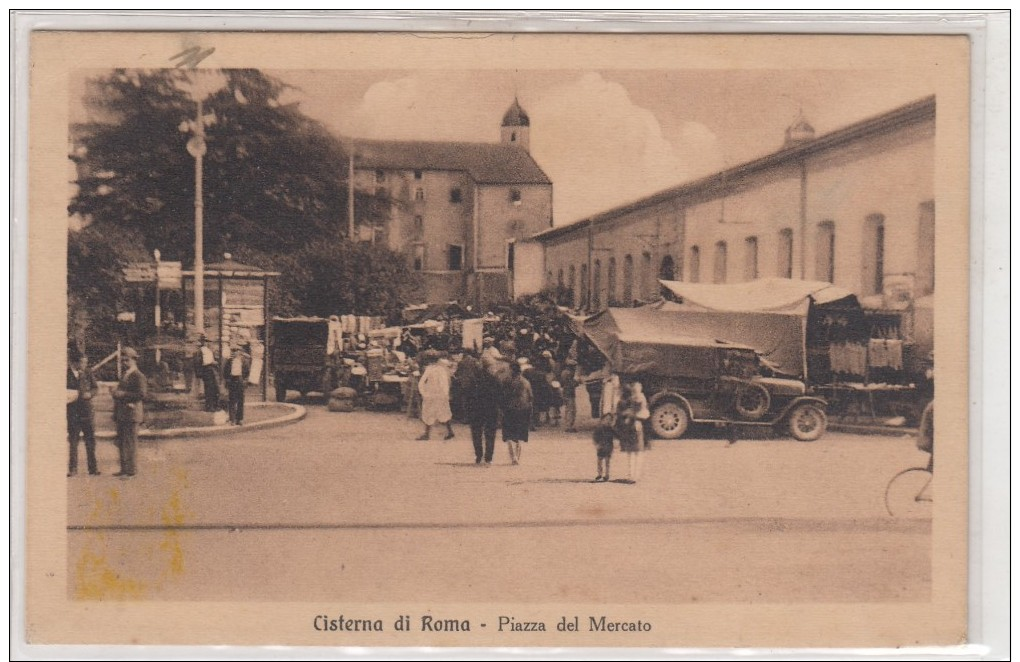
point(197, 148)
point(157, 315)
point(199, 84)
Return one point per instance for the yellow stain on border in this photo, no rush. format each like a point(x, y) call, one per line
point(95, 577)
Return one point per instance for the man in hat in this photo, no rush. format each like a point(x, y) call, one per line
point(128, 410)
point(81, 388)
point(235, 375)
point(205, 368)
point(489, 350)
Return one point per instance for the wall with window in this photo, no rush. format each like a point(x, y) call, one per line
point(424, 220)
point(759, 206)
point(509, 212)
point(815, 219)
point(630, 250)
point(889, 175)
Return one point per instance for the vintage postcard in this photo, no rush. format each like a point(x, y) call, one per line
point(394, 339)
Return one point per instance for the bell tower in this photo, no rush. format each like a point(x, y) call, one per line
point(516, 127)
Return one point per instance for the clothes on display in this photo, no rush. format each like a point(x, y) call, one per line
point(335, 343)
point(848, 359)
point(885, 354)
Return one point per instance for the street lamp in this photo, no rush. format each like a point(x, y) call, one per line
point(157, 314)
point(199, 85)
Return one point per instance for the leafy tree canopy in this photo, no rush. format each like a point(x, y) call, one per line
point(274, 193)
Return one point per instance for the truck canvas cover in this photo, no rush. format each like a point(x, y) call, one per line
point(645, 341)
point(769, 314)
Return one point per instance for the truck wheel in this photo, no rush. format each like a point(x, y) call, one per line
point(751, 401)
point(807, 422)
point(669, 419)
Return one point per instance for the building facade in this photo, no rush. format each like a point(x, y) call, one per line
point(854, 207)
point(457, 209)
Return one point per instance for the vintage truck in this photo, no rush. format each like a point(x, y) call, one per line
point(701, 380)
point(306, 355)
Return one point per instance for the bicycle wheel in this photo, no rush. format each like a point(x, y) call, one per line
point(909, 494)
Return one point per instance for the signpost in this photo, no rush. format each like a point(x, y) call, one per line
point(145, 272)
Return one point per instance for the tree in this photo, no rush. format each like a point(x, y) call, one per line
point(275, 187)
point(329, 278)
point(95, 284)
point(273, 180)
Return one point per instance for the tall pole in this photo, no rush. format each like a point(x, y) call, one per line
point(803, 220)
point(157, 315)
point(591, 251)
point(350, 194)
point(198, 152)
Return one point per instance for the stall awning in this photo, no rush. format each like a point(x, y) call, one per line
point(782, 296)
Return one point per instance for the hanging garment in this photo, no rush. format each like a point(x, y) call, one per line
point(837, 358)
point(885, 354)
point(335, 343)
point(858, 359)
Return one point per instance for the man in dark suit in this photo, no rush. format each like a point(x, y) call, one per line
point(235, 375)
point(205, 368)
point(81, 388)
point(128, 410)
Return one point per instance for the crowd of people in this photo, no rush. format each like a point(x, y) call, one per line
point(504, 388)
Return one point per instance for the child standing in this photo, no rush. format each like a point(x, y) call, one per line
point(641, 413)
point(603, 438)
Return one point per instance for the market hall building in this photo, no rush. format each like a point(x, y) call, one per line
point(457, 209)
point(854, 207)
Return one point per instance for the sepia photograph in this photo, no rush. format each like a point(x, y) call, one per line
point(499, 340)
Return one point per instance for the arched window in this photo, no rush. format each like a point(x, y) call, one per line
point(582, 287)
point(785, 253)
point(825, 252)
point(719, 273)
point(874, 255)
point(751, 258)
point(694, 266)
point(667, 270)
point(596, 287)
point(611, 283)
point(628, 281)
point(646, 275)
point(572, 278)
point(559, 278)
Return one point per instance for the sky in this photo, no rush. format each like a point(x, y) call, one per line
point(605, 138)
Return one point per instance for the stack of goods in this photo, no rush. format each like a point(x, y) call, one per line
point(342, 399)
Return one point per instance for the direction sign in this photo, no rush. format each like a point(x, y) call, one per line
point(145, 272)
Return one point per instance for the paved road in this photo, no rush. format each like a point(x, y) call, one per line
point(349, 506)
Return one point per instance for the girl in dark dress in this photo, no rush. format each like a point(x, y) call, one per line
point(517, 406)
point(626, 431)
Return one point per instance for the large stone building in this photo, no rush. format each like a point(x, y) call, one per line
point(854, 207)
point(456, 209)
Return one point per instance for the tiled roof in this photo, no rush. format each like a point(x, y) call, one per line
point(486, 163)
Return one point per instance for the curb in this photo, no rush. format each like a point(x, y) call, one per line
point(875, 430)
point(297, 413)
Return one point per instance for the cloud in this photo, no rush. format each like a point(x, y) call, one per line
point(598, 146)
point(601, 149)
point(420, 107)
